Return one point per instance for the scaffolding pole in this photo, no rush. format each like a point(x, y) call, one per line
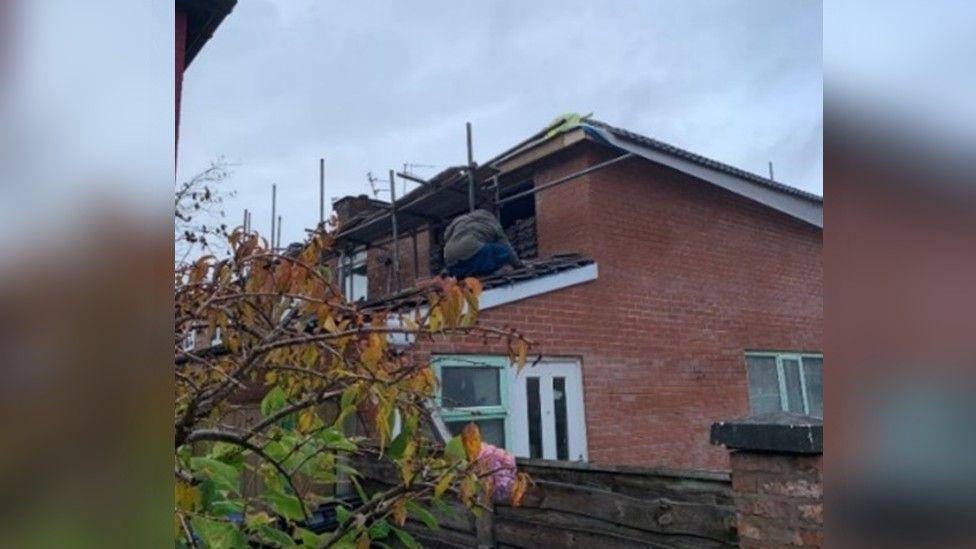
point(396, 237)
point(278, 237)
point(321, 190)
point(470, 169)
point(274, 194)
point(569, 177)
point(342, 273)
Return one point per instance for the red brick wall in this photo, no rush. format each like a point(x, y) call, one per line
point(690, 277)
point(380, 273)
point(778, 499)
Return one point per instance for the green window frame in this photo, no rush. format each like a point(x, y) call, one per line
point(780, 358)
point(464, 414)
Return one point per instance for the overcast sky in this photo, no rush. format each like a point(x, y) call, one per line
point(371, 85)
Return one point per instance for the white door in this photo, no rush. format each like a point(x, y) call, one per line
point(547, 419)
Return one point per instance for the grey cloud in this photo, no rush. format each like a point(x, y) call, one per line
point(371, 85)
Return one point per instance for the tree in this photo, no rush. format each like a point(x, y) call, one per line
point(199, 214)
point(286, 331)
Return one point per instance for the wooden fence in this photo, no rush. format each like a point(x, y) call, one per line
point(584, 505)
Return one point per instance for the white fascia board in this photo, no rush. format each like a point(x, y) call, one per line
point(809, 211)
point(502, 295)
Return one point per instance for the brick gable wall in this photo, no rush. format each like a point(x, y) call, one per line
point(691, 277)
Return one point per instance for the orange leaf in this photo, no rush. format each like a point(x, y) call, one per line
point(474, 285)
point(468, 486)
point(518, 491)
point(400, 511)
point(471, 439)
point(523, 351)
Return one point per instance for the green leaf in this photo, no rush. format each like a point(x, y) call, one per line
point(347, 470)
point(333, 438)
point(359, 489)
point(349, 396)
point(455, 449)
point(273, 401)
point(405, 538)
point(225, 477)
point(222, 449)
point(342, 514)
point(399, 444)
point(275, 450)
point(276, 536)
point(217, 534)
point(310, 538)
point(423, 514)
point(226, 507)
point(208, 493)
point(285, 505)
point(379, 530)
point(445, 509)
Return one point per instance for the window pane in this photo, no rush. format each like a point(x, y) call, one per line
point(763, 384)
point(813, 376)
point(559, 405)
point(492, 430)
point(470, 386)
point(794, 391)
point(535, 416)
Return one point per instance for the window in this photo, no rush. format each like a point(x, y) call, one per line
point(190, 340)
point(474, 388)
point(789, 382)
point(355, 283)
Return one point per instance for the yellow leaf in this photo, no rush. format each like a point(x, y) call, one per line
point(374, 350)
point(188, 498)
point(310, 355)
point(400, 511)
point(406, 471)
point(471, 439)
point(330, 325)
point(363, 541)
point(436, 320)
point(306, 419)
point(443, 484)
point(518, 491)
point(410, 449)
point(234, 344)
point(271, 377)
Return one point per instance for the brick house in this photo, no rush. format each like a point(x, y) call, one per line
point(664, 291)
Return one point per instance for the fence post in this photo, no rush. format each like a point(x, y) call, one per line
point(777, 478)
point(485, 529)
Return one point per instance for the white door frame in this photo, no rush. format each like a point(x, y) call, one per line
point(546, 369)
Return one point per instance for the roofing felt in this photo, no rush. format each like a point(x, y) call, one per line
point(533, 269)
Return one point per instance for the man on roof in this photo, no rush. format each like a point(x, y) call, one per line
point(476, 245)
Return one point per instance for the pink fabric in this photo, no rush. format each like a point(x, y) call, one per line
point(502, 465)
